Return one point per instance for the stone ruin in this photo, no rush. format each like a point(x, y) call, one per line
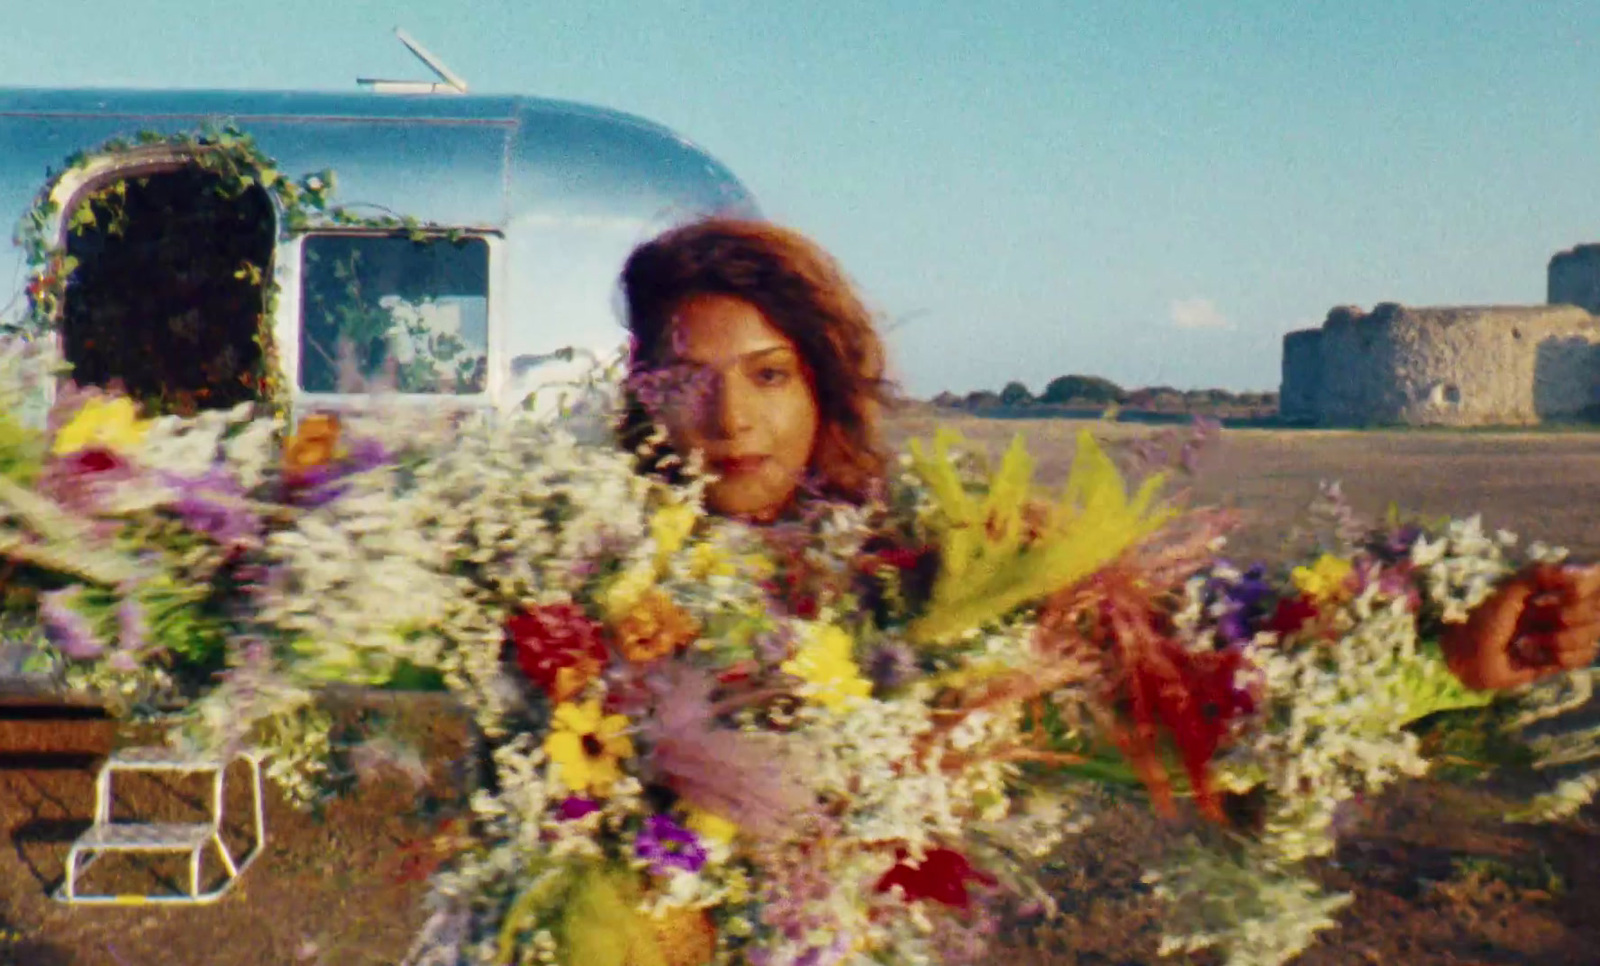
point(1513, 365)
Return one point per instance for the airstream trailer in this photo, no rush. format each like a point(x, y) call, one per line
point(474, 236)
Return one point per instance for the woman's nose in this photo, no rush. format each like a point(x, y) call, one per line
point(730, 408)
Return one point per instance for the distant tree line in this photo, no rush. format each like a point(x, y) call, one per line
point(1094, 392)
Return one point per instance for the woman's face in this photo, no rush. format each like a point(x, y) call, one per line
point(756, 422)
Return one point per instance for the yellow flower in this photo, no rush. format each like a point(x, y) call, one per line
point(709, 825)
point(825, 663)
point(626, 589)
point(670, 527)
point(709, 560)
point(1324, 580)
point(760, 566)
point(1000, 549)
point(587, 746)
point(112, 424)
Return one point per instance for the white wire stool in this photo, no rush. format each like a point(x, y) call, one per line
point(179, 837)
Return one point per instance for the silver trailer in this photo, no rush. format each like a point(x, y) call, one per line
point(478, 238)
point(493, 225)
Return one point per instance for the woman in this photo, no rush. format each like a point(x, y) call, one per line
point(782, 352)
point(790, 376)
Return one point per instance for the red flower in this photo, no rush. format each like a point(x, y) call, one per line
point(1193, 696)
point(1154, 685)
point(942, 876)
point(93, 460)
point(559, 648)
point(900, 558)
point(1292, 614)
point(738, 673)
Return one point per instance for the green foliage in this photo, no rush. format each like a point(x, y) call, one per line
point(1015, 394)
point(1088, 389)
point(237, 166)
point(409, 677)
point(22, 450)
point(1538, 877)
point(1470, 743)
point(344, 314)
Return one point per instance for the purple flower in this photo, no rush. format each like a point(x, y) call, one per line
point(1234, 627)
point(775, 646)
point(670, 391)
point(825, 955)
point(667, 845)
point(1244, 602)
point(573, 808)
point(214, 505)
point(892, 665)
point(1396, 546)
point(68, 630)
point(321, 485)
point(133, 631)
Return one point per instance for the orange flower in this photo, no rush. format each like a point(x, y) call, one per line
point(315, 443)
point(654, 627)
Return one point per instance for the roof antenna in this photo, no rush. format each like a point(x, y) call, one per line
point(453, 84)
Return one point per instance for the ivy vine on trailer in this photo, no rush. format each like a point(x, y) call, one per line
point(234, 166)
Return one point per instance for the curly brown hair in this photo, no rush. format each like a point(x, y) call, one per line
point(804, 294)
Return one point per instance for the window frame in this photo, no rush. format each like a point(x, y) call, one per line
point(288, 278)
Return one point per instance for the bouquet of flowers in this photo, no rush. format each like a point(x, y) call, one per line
point(709, 742)
point(841, 738)
point(124, 540)
point(1343, 652)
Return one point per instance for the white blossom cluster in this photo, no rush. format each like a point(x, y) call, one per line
point(1559, 746)
point(1243, 902)
point(360, 581)
point(1337, 725)
point(1461, 567)
point(192, 445)
point(27, 368)
point(424, 560)
point(121, 690)
point(886, 770)
point(1333, 727)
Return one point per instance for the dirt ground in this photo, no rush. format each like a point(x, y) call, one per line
point(1438, 877)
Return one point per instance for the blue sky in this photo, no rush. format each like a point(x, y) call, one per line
point(1153, 192)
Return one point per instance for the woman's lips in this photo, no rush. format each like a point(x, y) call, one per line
point(738, 465)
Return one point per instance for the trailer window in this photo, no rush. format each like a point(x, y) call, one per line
point(387, 312)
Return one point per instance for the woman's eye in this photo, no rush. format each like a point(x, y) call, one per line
point(772, 376)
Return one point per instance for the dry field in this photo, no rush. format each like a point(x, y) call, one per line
point(1438, 878)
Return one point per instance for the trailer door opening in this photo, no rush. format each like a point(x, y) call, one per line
point(169, 294)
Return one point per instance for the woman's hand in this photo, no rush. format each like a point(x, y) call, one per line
point(1543, 620)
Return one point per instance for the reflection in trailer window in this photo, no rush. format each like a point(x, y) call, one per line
point(387, 311)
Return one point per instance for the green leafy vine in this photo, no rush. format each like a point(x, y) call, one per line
point(223, 150)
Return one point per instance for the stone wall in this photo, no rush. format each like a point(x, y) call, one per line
point(1302, 372)
point(1574, 278)
point(1469, 366)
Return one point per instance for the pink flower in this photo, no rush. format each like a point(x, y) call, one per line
point(751, 780)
